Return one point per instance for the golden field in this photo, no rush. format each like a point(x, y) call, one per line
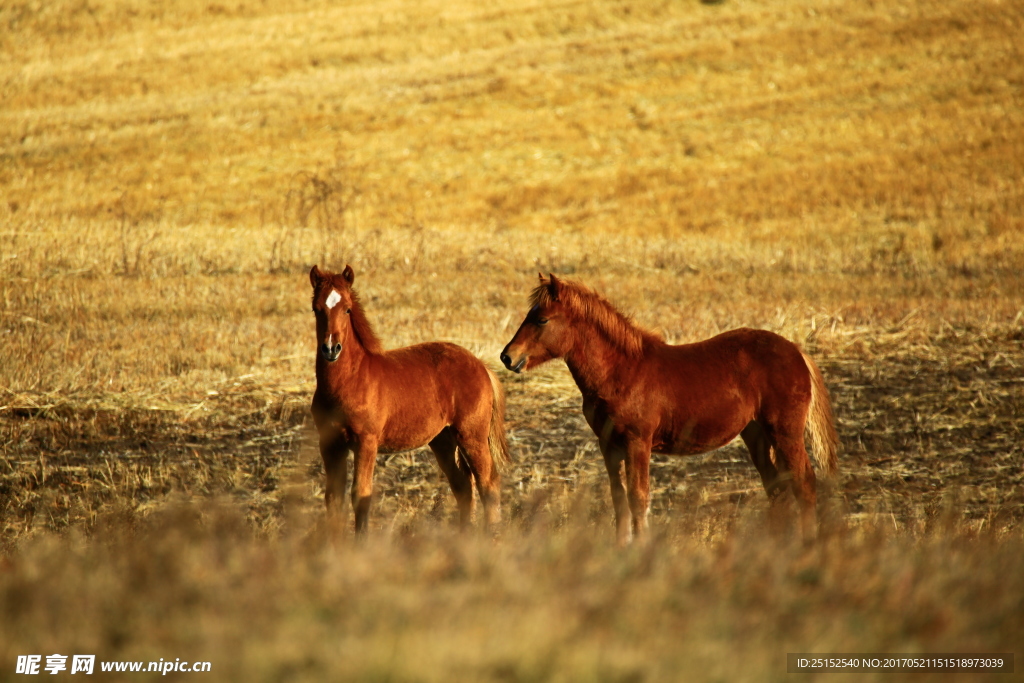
point(848, 174)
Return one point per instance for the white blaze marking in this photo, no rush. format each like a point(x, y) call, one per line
point(332, 299)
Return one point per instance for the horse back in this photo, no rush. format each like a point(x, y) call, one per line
point(755, 364)
point(701, 395)
point(439, 376)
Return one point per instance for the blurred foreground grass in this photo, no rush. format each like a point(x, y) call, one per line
point(712, 598)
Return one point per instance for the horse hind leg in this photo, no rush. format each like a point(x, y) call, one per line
point(775, 475)
point(792, 457)
point(760, 447)
point(456, 471)
point(476, 454)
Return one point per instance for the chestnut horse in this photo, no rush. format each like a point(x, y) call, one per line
point(641, 395)
point(369, 401)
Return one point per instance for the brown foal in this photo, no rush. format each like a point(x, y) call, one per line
point(371, 401)
point(641, 395)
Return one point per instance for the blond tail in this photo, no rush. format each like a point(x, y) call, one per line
point(820, 424)
point(496, 439)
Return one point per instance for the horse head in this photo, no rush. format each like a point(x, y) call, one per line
point(545, 332)
point(332, 306)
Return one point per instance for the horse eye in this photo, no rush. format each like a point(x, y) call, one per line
point(542, 321)
point(348, 311)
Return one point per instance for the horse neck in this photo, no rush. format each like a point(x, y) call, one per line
point(593, 360)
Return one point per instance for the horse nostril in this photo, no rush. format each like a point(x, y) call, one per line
point(330, 351)
point(506, 360)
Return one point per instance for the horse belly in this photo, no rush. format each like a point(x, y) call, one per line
point(404, 434)
point(696, 435)
point(693, 444)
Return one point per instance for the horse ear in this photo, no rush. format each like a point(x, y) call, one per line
point(316, 276)
point(348, 274)
point(553, 286)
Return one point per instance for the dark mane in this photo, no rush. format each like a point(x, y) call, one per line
point(587, 305)
point(360, 325)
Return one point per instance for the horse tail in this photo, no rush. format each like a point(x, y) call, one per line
point(820, 423)
point(496, 439)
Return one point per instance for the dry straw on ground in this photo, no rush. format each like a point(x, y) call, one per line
point(847, 174)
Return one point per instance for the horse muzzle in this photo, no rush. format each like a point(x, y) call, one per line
point(514, 367)
point(330, 353)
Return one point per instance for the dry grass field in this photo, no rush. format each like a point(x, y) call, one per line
point(848, 174)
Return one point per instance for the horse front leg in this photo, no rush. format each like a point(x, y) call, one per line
point(638, 484)
point(334, 452)
point(615, 463)
point(362, 481)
